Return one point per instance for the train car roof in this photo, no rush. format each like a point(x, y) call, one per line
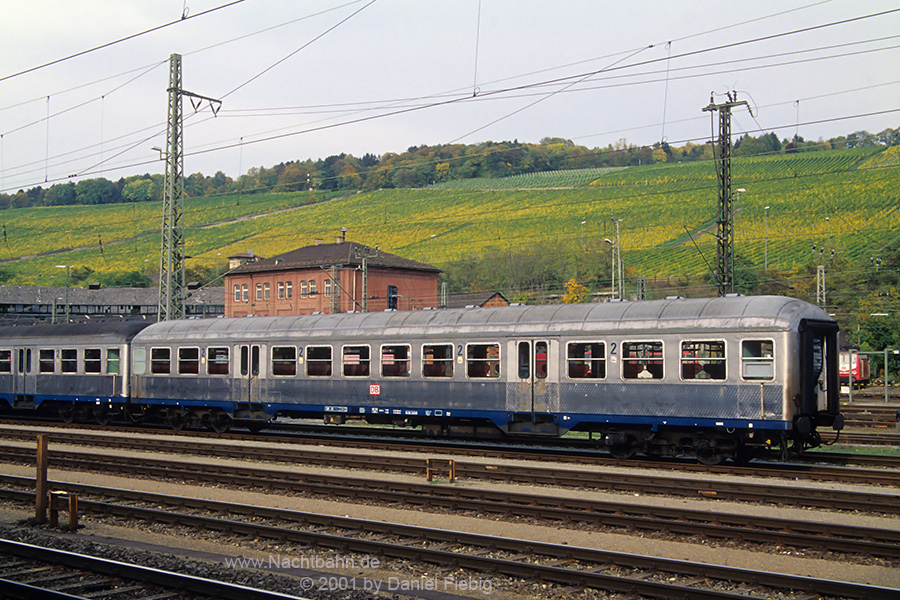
point(729, 313)
point(112, 332)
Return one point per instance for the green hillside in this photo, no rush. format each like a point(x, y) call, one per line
point(844, 199)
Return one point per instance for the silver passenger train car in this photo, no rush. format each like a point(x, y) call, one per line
point(713, 378)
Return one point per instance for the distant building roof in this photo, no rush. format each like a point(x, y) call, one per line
point(476, 299)
point(13, 294)
point(347, 254)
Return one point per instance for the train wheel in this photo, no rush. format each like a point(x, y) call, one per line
point(623, 451)
point(176, 420)
point(67, 413)
point(102, 415)
point(220, 422)
point(708, 454)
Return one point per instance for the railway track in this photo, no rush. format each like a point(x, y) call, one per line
point(29, 572)
point(628, 516)
point(563, 565)
point(837, 472)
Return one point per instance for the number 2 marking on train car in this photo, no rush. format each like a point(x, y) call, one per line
point(613, 357)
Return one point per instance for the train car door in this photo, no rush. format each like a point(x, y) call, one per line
point(249, 369)
point(819, 368)
point(24, 385)
point(535, 375)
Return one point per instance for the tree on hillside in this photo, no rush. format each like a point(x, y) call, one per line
point(97, 191)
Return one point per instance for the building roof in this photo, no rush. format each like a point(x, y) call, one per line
point(347, 254)
point(473, 299)
point(13, 294)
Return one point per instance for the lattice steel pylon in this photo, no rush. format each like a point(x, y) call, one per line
point(725, 236)
point(171, 261)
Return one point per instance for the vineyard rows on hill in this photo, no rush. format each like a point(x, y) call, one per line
point(666, 215)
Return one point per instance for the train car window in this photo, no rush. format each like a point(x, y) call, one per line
point(139, 361)
point(318, 361)
point(540, 360)
point(586, 360)
point(758, 359)
point(437, 360)
point(160, 359)
point(217, 361)
point(524, 361)
point(93, 360)
point(5, 361)
point(702, 360)
point(642, 360)
point(68, 360)
point(395, 361)
point(356, 361)
point(188, 361)
point(46, 361)
point(483, 360)
point(112, 361)
point(24, 360)
point(284, 361)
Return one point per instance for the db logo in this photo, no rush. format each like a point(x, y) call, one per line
point(374, 389)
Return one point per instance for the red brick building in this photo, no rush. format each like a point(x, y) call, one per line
point(330, 278)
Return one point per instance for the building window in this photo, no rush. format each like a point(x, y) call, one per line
point(259, 291)
point(217, 361)
point(703, 360)
point(312, 288)
point(281, 290)
point(93, 360)
point(69, 362)
point(46, 361)
point(266, 289)
point(642, 360)
point(328, 288)
point(237, 293)
point(245, 293)
point(289, 289)
point(303, 289)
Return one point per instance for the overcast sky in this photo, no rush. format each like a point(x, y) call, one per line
point(307, 79)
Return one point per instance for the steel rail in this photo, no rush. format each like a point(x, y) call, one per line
point(198, 586)
point(868, 541)
point(414, 550)
point(742, 491)
point(411, 465)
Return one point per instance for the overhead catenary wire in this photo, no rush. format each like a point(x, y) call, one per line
point(118, 41)
point(496, 94)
